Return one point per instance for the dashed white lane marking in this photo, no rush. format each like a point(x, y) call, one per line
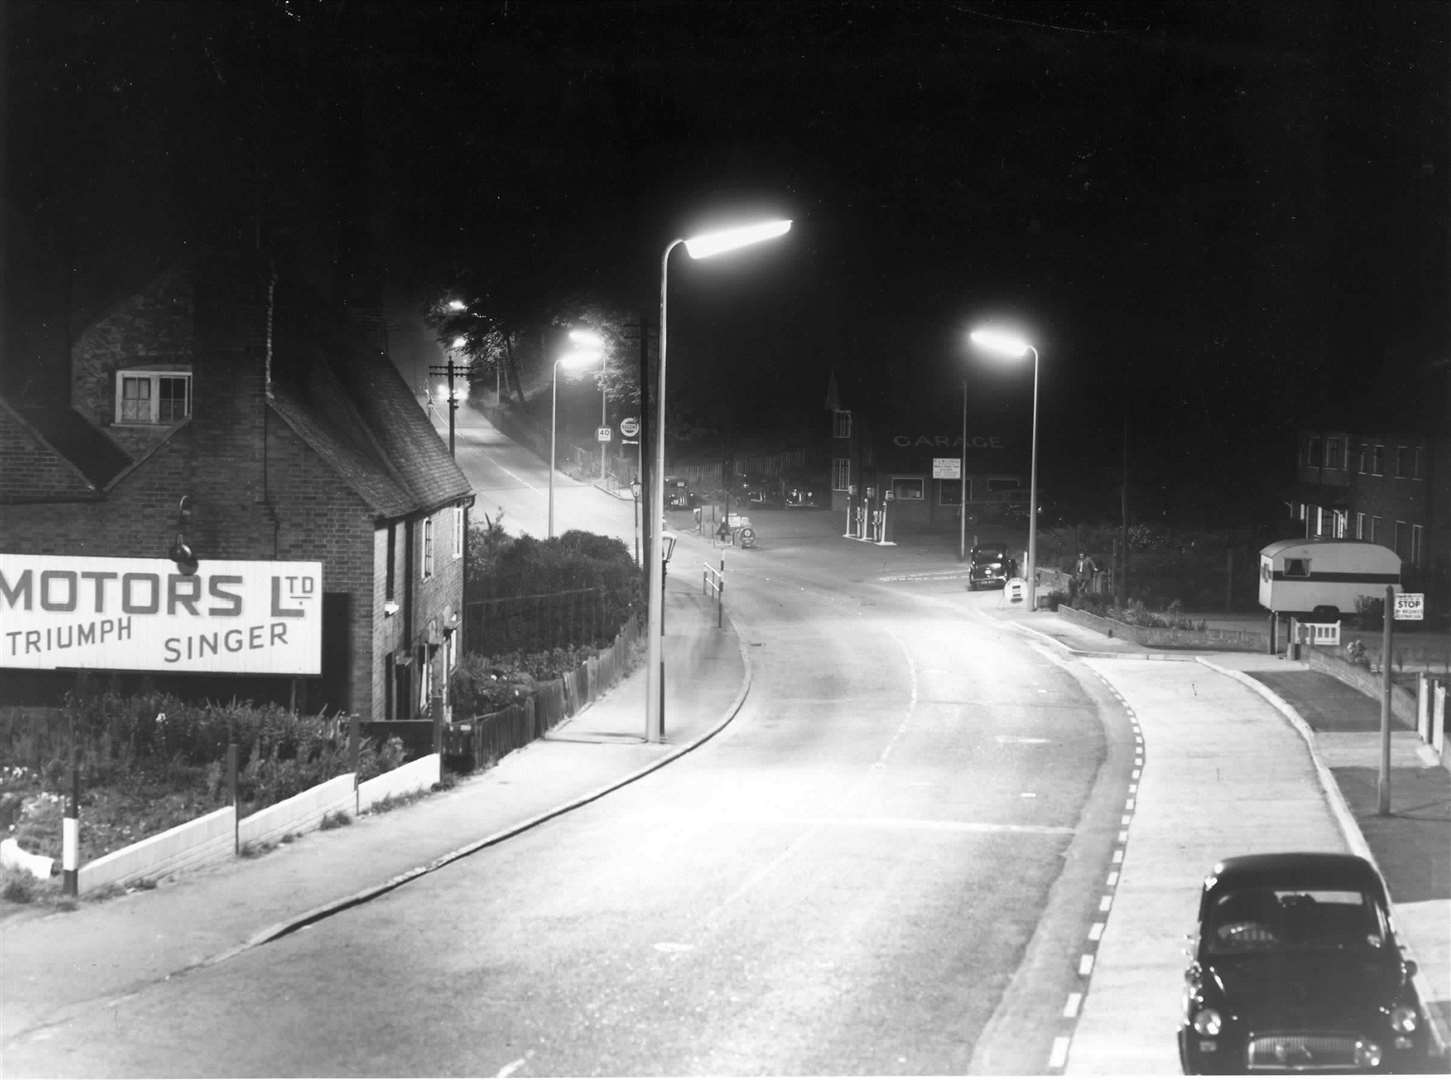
point(509, 1069)
point(1105, 903)
point(1059, 1057)
point(1085, 965)
point(1072, 1005)
point(1095, 931)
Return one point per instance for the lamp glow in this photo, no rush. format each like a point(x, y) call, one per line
point(999, 341)
point(714, 243)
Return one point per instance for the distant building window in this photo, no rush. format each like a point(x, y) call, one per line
point(1312, 451)
point(1359, 526)
point(840, 474)
point(1334, 454)
point(1416, 463)
point(1297, 568)
point(1417, 537)
point(152, 397)
point(427, 548)
point(908, 488)
point(1403, 541)
point(458, 532)
point(949, 492)
point(1375, 530)
point(388, 585)
point(840, 424)
point(1378, 460)
point(1338, 522)
point(1404, 462)
point(1364, 458)
point(999, 485)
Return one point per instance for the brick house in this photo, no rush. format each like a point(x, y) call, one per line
point(1391, 488)
point(228, 405)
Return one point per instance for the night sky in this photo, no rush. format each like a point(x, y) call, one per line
point(1215, 220)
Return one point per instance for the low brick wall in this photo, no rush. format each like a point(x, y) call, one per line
point(301, 813)
point(1403, 701)
point(418, 775)
point(208, 839)
point(1160, 637)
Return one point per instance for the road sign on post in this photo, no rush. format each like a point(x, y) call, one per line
point(1410, 606)
point(629, 427)
point(604, 434)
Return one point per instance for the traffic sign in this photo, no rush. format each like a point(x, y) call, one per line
point(629, 427)
point(1410, 606)
point(604, 434)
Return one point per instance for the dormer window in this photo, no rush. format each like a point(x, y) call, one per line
point(160, 395)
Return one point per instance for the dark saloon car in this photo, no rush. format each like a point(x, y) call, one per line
point(990, 567)
point(1296, 969)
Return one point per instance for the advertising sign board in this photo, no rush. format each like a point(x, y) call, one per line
point(946, 468)
point(240, 617)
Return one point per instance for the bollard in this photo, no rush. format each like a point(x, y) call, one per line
point(71, 831)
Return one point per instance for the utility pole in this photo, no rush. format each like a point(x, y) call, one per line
point(1383, 784)
point(450, 370)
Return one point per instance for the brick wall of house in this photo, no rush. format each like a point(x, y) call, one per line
point(154, 326)
point(30, 467)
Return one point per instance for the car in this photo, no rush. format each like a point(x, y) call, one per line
point(989, 566)
point(678, 495)
point(1295, 967)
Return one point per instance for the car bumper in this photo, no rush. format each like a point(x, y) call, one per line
point(1298, 1053)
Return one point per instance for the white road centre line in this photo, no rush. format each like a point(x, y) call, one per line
point(1059, 1056)
point(1072, 1005)
point(1085, 964)
point(1095, 932)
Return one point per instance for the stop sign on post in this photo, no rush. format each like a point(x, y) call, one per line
point(1410, 606)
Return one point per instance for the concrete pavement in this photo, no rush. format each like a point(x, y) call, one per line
point(1229, 767)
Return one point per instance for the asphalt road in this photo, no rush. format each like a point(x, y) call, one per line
point(864, 874)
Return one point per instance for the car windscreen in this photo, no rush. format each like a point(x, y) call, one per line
point(987, 554)
point(1264, 919)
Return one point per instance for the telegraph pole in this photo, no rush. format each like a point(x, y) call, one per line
point(450, 371)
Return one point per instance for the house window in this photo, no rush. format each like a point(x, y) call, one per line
point(425, 680)
point(1416, 540)
point(1375, 530)
point(1359, 526)
point(1338, 521)
point(840, 474)
point(1377, 460)
point(840, 424)
point(427, 548)
point(1297, 568)
point(1334, 454)
point(1403, 461)
point(1416, 463)
point(1312, 451)
point(949, 492)
point(907, 487)
point(388, 574)
point(1403, 540)
point(152, 397)
point(458, 532)
point(1364, 458)
point(450, 651)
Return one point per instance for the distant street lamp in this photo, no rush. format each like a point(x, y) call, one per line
point(575, 358)
point(590, 339)
point(1010, 345)
point(698, 247)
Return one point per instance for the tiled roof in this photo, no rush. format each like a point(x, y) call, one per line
point(350, 404)
point(89, 452)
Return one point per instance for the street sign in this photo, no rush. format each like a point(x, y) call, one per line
point(629, 427)
point(1410, 606)
point(604, 434)
point(946, 468)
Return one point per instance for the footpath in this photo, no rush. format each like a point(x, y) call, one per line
point(1243, 753)
point(1303, 747)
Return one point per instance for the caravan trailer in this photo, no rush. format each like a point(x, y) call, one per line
point(1324, 578)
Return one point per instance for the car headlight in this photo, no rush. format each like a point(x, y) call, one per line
point(1208, 1022)
point(1367, 1055)
point(1405, 1019)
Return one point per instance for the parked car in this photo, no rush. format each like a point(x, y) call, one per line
point(800, 498)
point(678, 495)
point(1295, 967)
point(990, 566)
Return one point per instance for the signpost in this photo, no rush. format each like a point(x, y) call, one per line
point(1406, 607)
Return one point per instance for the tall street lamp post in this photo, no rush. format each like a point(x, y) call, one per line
point(698, 247)
point(575, 358)
point(1008, 344)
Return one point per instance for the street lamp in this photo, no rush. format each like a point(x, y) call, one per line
point(698, 247)
point(1007, 344)
point(574, 358)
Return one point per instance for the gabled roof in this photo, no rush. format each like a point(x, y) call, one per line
point(76, 446)
point(351, 405)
